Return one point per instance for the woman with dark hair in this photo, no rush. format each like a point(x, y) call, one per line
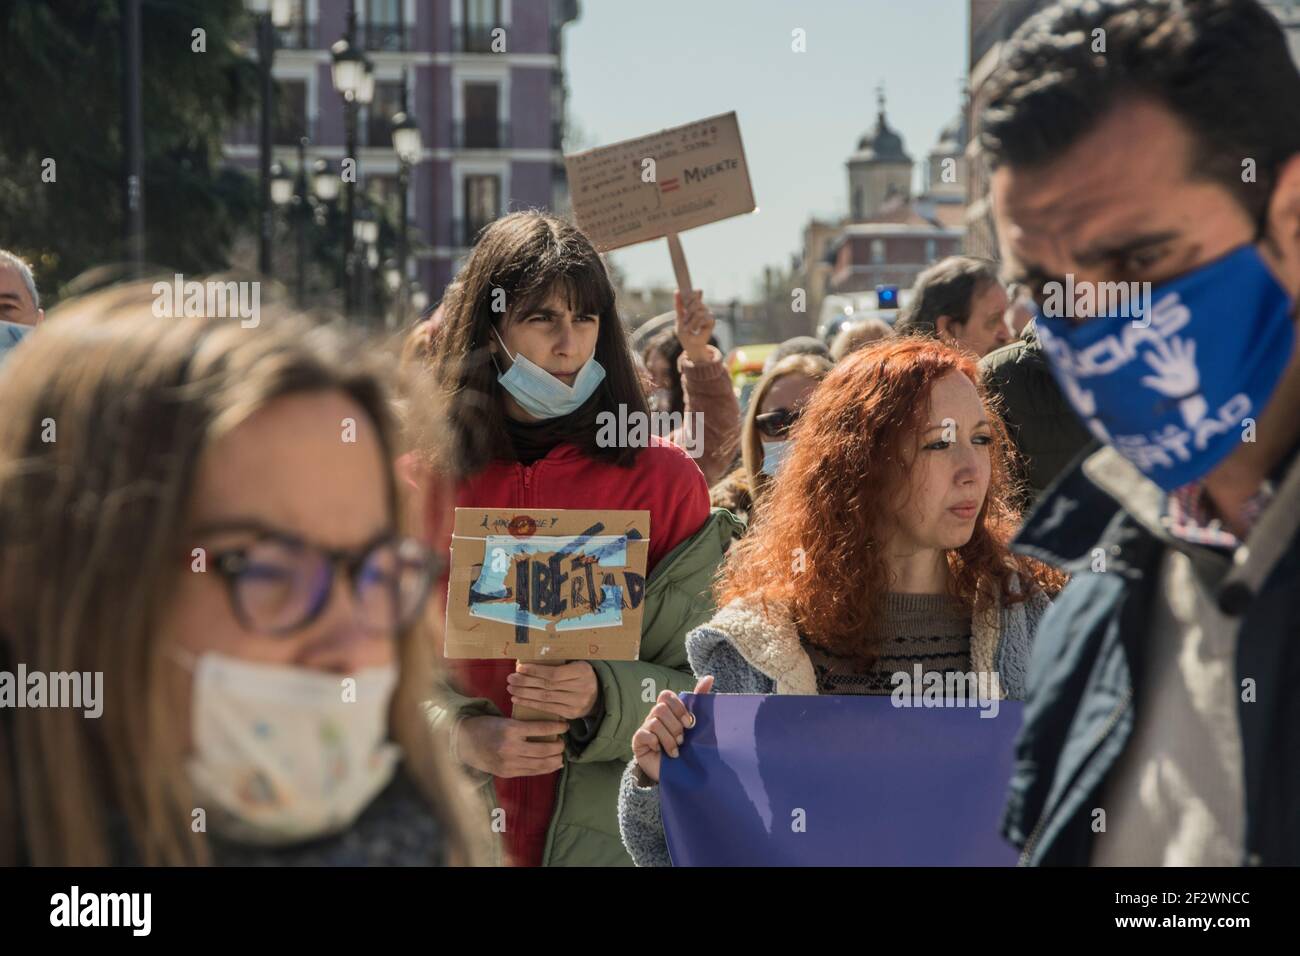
point(531, 354)
point(895, 493)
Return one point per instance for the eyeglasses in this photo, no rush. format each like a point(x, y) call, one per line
point(280, 583)
point(776, 423)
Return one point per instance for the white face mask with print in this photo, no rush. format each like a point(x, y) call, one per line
point(285, 754)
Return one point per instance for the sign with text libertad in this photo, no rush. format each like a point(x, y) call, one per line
point(547, 584)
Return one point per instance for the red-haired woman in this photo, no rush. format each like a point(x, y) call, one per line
point(882, 544)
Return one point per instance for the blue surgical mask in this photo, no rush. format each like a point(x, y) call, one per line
point(540, 393)
point(774, 455)
point(11, 333)
point(1171, 397)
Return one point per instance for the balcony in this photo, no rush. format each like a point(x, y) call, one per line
point(473, 38)
point(285, 130)
point(386, 37)
point(298, 36)
point(376, 132)
point(477, 134)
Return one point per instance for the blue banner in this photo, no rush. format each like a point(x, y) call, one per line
point(839, 781)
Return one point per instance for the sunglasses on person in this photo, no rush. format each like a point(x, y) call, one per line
point(279, 583)
point(776, 423)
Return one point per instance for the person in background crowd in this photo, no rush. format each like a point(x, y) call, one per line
point(859, 334)
point(1046, 433)
point(959, 300)
point(523, 388)
point(778, 400)
point(1020, 312)
point(419, 345)
point(799, 345)
point(905, 541)
point(20, 303)
point(689, 377)
point(198, 535)
point(1164, 681)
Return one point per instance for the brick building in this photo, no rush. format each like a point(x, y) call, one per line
point(490, 106)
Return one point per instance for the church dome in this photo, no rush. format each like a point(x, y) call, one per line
point(881, 145)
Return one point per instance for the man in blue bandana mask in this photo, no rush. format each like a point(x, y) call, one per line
point(1153, 147)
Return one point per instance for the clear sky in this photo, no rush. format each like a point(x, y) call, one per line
point(635, 67)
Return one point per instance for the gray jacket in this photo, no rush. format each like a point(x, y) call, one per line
point(749, 653)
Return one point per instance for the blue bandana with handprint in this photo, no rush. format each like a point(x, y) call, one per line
point(1177, 388)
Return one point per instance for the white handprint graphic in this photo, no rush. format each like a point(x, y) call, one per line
point(1174, 363)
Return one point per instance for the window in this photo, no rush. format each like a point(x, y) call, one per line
point(481, 13)
point(300, 34)
point(289, 122)
point(557, 109)
point(877, 252)
point(857, 203)
point(379, 122)
point(384, 29)
point(478, 19)
point(929, 250)
point(482, 204)
point(481, 122)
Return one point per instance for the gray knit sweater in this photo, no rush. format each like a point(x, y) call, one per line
point(748, 652)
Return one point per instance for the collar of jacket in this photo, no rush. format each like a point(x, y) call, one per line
point(769, 642)
point(698, 554)
point(1102, 500)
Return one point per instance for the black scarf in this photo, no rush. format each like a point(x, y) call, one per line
point(533, 441)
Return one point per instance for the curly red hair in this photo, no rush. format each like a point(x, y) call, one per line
point(853, 447)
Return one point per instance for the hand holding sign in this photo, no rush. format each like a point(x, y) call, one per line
point(664, 730)
point(565, 690)
point(694, 325)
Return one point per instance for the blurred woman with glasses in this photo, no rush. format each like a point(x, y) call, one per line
point(203, 518)
point(774, 407)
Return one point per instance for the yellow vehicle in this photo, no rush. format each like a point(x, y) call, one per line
point(745, 366)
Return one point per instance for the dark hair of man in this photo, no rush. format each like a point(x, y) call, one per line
point(946, 288)
point(1222, 67)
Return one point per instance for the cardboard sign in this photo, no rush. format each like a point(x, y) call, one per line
point(699, 176)
point(547, 584)
point(839, 781)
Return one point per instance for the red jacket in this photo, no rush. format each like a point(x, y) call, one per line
point(664, 481)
